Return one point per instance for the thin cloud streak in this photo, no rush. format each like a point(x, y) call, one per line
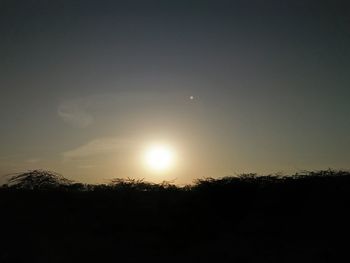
point(98, 147)
point(73, 113)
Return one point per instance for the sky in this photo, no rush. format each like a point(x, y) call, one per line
point(86, 86)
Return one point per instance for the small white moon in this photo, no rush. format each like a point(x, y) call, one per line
point(191, 97)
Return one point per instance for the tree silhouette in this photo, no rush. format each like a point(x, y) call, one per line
point(37, 179)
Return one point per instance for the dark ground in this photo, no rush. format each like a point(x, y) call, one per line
point(303, 218)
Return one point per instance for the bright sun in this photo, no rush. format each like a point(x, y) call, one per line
point(159, 158)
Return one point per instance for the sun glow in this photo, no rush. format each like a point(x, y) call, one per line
point(159, 158)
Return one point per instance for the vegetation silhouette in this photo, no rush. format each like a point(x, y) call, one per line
point(37, 179)
point(245, 218)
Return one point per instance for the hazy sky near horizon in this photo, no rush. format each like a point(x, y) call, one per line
point(87, 85)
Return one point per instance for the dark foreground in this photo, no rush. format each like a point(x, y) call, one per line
point(303, 218)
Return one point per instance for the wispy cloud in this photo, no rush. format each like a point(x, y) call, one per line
point(74, 112)
point(82, 112)
point(98, 147)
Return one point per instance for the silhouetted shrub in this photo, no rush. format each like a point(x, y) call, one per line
point(243, 218)
point(37, 179)
point(128, 184)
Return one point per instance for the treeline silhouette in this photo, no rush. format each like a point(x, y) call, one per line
point(246, 218)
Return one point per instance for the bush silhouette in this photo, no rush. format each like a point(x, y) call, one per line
point(129, 184)
point(37, 179)
point(245, 218)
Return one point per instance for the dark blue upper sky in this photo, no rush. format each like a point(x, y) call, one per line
point(84, 84)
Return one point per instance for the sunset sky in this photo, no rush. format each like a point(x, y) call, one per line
point(87, 87)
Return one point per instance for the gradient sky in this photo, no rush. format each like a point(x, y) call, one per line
point(85, 85)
